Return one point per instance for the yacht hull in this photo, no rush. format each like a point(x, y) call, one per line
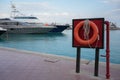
point(21, 27)
point(28, 30)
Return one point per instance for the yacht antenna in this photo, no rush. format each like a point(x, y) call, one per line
point(14, 11)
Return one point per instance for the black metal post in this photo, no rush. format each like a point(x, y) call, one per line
point(78, 60)
point(96, 69)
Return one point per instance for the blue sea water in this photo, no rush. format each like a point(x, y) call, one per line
point(60, 44)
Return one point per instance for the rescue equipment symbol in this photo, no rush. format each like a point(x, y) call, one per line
point(86, 25)
point(88, 33)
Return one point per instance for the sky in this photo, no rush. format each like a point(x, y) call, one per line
point(63, 11)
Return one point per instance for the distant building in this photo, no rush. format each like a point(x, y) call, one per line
point(113, 26)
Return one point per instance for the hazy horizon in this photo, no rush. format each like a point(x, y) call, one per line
point(63, 11)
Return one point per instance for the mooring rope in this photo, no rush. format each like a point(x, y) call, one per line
point(86, 28)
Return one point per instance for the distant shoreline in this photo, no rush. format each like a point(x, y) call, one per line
point(114, 28)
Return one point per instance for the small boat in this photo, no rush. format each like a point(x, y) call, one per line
point(2, 30)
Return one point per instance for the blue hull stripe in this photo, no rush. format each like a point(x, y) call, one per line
point(59, 28)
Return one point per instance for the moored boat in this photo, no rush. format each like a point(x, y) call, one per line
point(18, 23)
point(2, 30)
point(22, 27)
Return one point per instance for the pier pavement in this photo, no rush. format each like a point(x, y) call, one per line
point(27, 65)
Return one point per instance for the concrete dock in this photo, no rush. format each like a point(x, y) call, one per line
point(26, 65)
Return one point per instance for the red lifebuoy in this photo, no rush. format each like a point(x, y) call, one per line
point(82, 41)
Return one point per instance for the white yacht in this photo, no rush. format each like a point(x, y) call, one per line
point(13, 26)
point(27, 24)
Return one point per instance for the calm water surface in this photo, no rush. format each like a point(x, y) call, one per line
point(59, 44)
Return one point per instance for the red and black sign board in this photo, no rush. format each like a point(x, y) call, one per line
point(98, 43)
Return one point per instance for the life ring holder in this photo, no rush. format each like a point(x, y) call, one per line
point(92, 39)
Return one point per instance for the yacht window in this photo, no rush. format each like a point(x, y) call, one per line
point(25, 18)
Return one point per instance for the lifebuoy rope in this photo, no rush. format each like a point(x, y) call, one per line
point(86, 28)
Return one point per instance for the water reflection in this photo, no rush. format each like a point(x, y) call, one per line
point(59, 44)
point(30, 37)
